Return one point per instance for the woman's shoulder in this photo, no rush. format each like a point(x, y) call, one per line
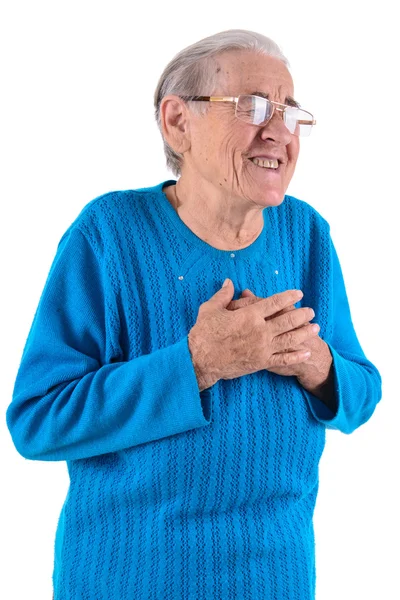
point(110, 202)
point(303, 209)
point(114, 217)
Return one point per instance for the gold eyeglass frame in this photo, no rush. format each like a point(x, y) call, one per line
point(234, 99)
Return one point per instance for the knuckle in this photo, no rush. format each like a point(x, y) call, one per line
point(292, 318)
point(276, 301)
point(271, 362)
point(289, 340)
point(287, 359)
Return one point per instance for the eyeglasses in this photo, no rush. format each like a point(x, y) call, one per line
point(258, 111)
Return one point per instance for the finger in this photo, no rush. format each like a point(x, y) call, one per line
point(242, 302)
point(251, 299)
point(248, 293)
point(285, 310)
point(292, 319)
point(287, 359)
point(293, 339)
point(304, 347)
point(273, 304)
point(281, 312)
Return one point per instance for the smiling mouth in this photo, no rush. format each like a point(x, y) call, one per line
point(267, 165)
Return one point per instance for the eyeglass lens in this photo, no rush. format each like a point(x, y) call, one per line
point(258, 111)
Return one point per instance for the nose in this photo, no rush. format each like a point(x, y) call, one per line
point(276, 129)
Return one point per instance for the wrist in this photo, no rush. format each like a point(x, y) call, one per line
point(325, 391)
point(205, 378)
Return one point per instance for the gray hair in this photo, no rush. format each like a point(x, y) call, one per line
point(193, 72)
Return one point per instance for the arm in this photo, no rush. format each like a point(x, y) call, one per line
point(348, 398)
point(70, 401)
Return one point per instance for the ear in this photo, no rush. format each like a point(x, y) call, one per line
point(247, 293)
point(175, 123)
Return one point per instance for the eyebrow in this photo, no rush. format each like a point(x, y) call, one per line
point(288, 100)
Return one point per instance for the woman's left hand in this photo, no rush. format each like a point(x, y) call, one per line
point(311, 373)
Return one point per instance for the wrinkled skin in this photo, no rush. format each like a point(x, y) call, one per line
point(221, 193)
point(228, 343)
point(308, 372)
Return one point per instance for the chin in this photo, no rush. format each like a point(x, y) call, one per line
point(269, 197)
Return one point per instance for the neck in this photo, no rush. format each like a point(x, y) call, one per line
point(215, 215)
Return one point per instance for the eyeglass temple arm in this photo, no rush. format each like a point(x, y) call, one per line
point(234, 99)
point(211, 98)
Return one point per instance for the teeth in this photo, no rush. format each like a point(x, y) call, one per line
point(266, 163)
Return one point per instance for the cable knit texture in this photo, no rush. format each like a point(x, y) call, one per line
point(176, 493)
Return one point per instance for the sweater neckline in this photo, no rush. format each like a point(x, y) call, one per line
point(252, 251)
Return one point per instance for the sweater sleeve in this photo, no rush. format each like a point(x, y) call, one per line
point(357, 382)
point(66, 403)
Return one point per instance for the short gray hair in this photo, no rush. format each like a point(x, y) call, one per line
point(193, 72)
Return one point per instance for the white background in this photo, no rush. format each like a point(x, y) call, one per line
point(77, 121)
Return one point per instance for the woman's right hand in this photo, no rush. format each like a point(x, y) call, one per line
point(228, 343)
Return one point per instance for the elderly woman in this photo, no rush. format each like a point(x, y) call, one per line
point(192, 415)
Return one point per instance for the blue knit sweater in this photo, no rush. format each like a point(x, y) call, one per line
point(176, 494)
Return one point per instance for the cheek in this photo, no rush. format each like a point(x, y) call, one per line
point(229, 150)
point(293, 150)
point(292, 154)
